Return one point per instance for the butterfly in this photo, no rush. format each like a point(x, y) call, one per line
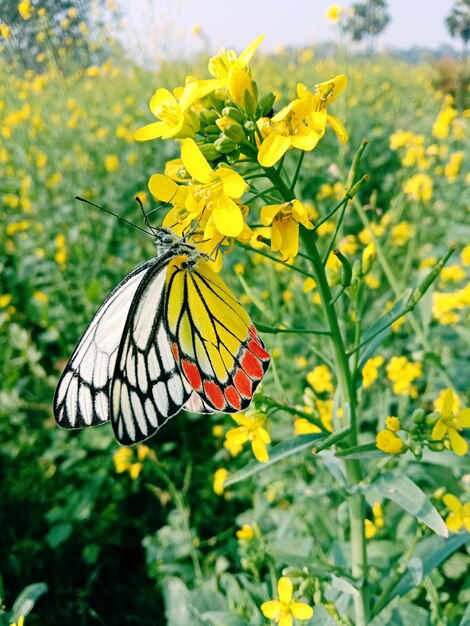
point(170, 336)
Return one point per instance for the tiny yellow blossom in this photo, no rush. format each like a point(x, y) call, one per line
point(111, 163)
point(402, 373)
point(370, 371)
point(284, 220)
point(246, 532)
point(320, 379)
point(251, 428)
point(285, 609)
point(465, 254)
point(401, 233)
point(460, 513)
point(220, 476)
point(334, 13)
point(389, 442)
point(393, 424)
point(20, 621)
point(419, 187)
point(451, 421)
point(5, 31)
point(25, 9)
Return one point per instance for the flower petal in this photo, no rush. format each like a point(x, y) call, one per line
point(259, 450)
point(272, 149)
point(452, 503)
point(248, 52)
point(305, 138)
point(458, 443)
point(195, 162)
point(448, 402)
point(439, 430)
point(454, 522)
point(263, 434)
point(151, 131)
point(269, 212)
point(290, 239)
point(464, 418)
point(276, 237)
point(271, 609)
point(162, 97)
point(227, 216)
point(189, 95)
point(339, 128)
point(286, 619)
point(301, 610)
point(232, 183)
point(333, 87)
point(284, 590)
point(163, 188)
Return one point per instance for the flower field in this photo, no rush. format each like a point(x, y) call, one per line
point(332, 197)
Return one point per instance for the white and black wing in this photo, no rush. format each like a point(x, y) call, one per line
point(147, 386)
point(83, 392)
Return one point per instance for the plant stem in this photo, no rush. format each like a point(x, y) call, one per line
point(348, 400)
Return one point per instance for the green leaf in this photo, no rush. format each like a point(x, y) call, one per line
point(321, 617)
point(344, 585)
point(385, 322)
point(300, 560)
point(26, 600)
point(283, 450)
point(415, 568)
point(432, 551)
point(404, 492)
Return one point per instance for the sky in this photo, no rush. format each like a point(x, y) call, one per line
point(165, 27)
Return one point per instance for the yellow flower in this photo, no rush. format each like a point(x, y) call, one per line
point(320, 379)
point(419, 187)
point(443, 122)
point(285, 219)
point(5, 300)
point(450, 423)
point(284, 610)
point(20, 621)
point(220, 476)
point(334, 13)
point(389, 442)
point(452, 169)
point(25, 9)
point(460, 513)
point(176, 118)
point(402, 374)
point(465, 255)
point(246, 532)
point(373, 527)
point(452, 274)
point(370, 529)
point(401, 233)
point(124, 460)
point(303, 427)
point(251, 428)
point(226, 62)
point(368, 257)
point(213, 191)
point(393, 424)
point(5, 31)
point(111, 163)
point(370, 371)
point(302, 123)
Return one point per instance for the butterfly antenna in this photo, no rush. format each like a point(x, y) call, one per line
point(97, 206)
point(146, 221)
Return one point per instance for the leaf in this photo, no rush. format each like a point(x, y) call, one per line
point(344, 585)
point(282, 450)
point(26, 600)
point(404, 492)
point(321, 617)
point(58, 534)
point(432, 551)
point(295, 559)
point(385, 322)
point(223, 618)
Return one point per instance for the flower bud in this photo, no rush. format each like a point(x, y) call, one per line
point(431, 419)
point(436, 446)
point(368, 258)
point(265, 105)
point(250, 126)
point(234, 114)
point(212, 129)
point(207, 116)
point(224, 145)
point(231, 129)
point(418, 416)
point(209, 151)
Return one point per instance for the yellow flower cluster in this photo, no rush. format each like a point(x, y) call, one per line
point(251, 428)
point(321, 379)
point(223, 124)
point(451, 420)
point(402, 373)
point(372, 527)
point(447, 307)
point(370, 371)
point(130, 460)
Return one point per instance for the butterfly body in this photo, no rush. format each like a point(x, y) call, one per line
point(170, 336)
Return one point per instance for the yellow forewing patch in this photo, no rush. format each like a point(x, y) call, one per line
point(202, 358)
point(185, 336)
point(199, 312)
point(216, 362)
point(176, 292)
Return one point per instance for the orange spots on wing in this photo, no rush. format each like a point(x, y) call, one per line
point(252, 366)
point(176, 354)
point(192, 374)
point(256, 348)
point(214, 394)
point(243, 384)
point(232, 397)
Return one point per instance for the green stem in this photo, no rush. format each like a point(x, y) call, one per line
point(297, 170)
point(348, 400)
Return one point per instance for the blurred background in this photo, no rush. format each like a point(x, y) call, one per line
point(101, 534)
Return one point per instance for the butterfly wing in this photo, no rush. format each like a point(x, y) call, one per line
point(147, 386)
point(82, 394)
point(213, 339)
